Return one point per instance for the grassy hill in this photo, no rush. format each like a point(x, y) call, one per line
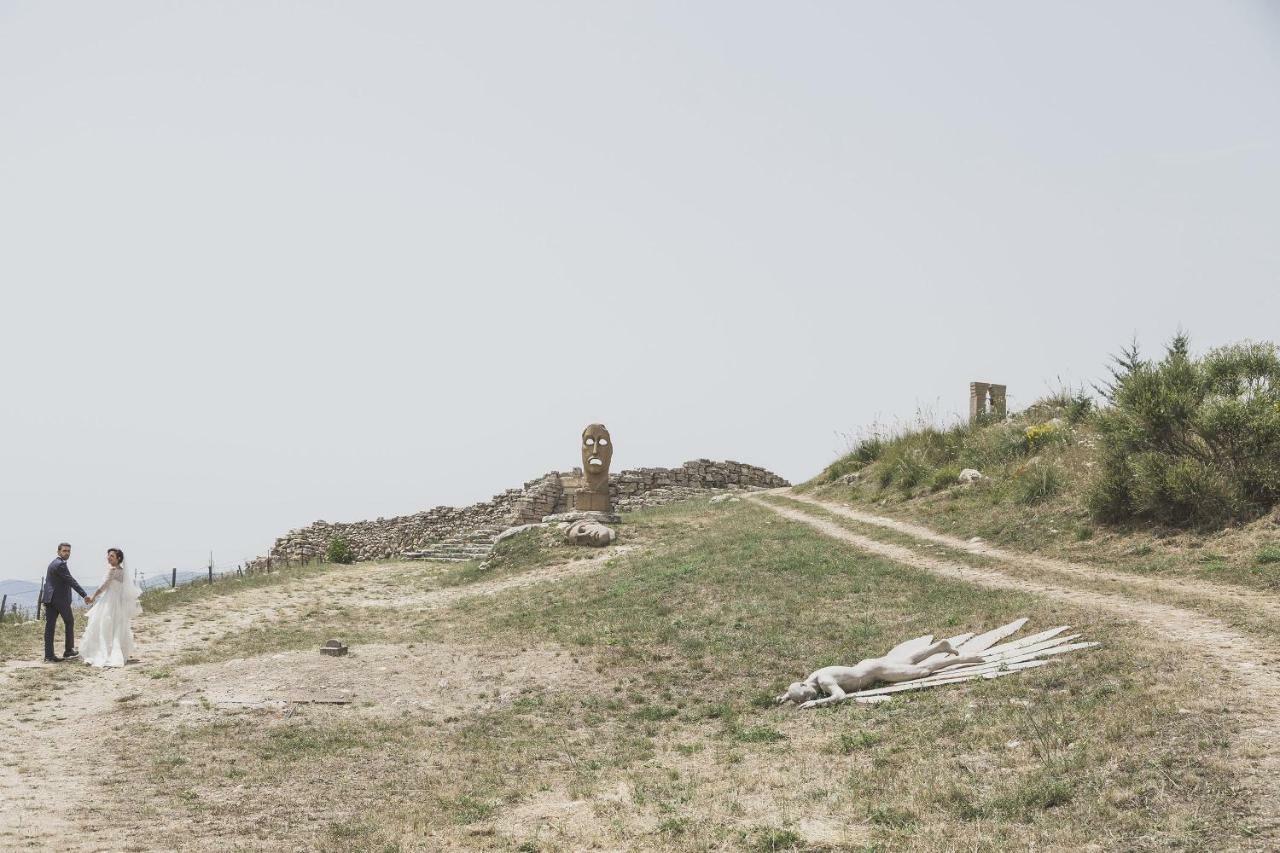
point(1047, 472)
point(566, 699)
point(647, 721)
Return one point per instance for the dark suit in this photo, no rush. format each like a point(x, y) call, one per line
point(56, 596)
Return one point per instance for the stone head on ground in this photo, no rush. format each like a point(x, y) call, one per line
point(588, 532)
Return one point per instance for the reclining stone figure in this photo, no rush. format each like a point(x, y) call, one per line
point(837, 682)
point(921, 663)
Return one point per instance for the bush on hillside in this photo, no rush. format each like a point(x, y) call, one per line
point(866, 451)
point(339, 551)
point(1037, 482)
point(1190, 442)
point(1072, 406)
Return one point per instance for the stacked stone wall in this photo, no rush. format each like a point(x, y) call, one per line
point(468, 531)
point(642, 487)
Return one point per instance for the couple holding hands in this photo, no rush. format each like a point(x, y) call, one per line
point(108, 638)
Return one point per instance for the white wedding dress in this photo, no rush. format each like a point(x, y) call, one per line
point(108, 638)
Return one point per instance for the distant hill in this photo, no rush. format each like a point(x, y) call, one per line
point(163, 579)
point(24, 593)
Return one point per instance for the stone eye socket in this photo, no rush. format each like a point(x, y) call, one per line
point(603, 442)
point(588, 442)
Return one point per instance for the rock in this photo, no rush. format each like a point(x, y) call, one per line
point(850, 479)
point(512, 531)
point(719, 499)
point(334, 648)
point(970, 475)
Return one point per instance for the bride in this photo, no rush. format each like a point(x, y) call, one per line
point(108, 638)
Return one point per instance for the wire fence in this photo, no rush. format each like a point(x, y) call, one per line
point(15, 612)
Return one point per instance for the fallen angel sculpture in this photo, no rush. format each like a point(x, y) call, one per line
point(920, 663)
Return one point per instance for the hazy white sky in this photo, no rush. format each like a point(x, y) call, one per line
point(264, 263)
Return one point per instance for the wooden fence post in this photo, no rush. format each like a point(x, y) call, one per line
point(3, 602)
point(211, 573)
point(173, 578)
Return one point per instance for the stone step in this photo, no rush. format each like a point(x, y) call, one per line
point(439, 559)
point(449, 553)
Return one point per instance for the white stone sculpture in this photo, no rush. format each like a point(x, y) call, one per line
point(921, 663)
point(588, 532)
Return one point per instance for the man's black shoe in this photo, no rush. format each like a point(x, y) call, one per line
point(74, 653)
point(54, 659)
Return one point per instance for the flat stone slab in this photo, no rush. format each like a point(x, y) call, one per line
point(334, 648)
point(602, 517)
point(513, 531)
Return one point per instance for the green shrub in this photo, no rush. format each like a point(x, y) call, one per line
point(339, 551)
point(869, 449)
point(992, 446)
point(1036, 483)
point(1267, 554)
point(1190, 442)
point(864, 452)
point(945, 477)
point(1079, 409)
point(913, 469)
point(1040, 436)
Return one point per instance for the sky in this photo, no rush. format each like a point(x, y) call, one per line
point(267, 263)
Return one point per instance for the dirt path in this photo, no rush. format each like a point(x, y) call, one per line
point(1260, 603)
point(1252, 664)
point(53, 720)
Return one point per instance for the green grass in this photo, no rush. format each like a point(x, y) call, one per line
point(686, 642)
point(1268, 555)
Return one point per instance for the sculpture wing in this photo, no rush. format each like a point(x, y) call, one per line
point(982, 642)
point(998, 659)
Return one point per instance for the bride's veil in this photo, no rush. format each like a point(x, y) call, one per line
point(131, 590)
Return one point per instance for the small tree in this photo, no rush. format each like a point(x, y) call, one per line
point(339, 551)
point(1190, 442)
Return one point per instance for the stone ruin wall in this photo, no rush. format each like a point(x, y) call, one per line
point(642, 487)
point(478, 524)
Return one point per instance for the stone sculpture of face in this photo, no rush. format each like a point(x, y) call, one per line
point(597, 452)
point(590, 533)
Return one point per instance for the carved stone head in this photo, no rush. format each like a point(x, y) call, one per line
point(798, 693)
point(597, 452)
point(589, 532)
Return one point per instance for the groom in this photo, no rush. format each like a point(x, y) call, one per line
point(56, 597)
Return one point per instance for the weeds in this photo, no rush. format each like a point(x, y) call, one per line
point(1037, 483)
